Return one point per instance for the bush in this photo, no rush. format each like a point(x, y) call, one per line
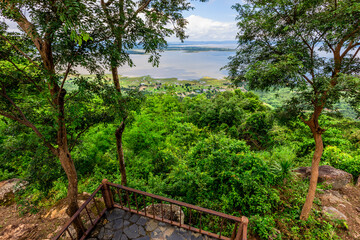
point(335, 157)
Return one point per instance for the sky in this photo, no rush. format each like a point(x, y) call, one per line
point(213, 20)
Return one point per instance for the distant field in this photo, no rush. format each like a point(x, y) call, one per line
point(210, 87)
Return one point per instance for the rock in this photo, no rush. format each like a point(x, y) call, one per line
point(118, 223)
point(144, 238)
point(134, 218)
point(57, 213)
point(8, 188)
point(333, 199)
point(132, 231)
point(157, 234)
point(168, 232)
point(127, 215)
point(115, 214)
point(108, 234)
point(109, 225)
point(141, 231)
point(176, 236)
point(101, 234)
point(336, 177)
point(151, 225)
point(358, 182)
point(19, 232)
point(357, 209)
point(333, 213)
point(117, 235)
point(142, 221)
point(167, 211)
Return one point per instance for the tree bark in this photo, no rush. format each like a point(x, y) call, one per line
point(120, 152)
point(44, 47)
point(115, 76)
point(119, 131)
point(68, 164)
point(319, 147)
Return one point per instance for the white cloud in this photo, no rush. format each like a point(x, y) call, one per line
point(13, 27)
point(205, 29)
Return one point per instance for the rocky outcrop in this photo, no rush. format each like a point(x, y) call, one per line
point(8, 188)
point(329, 175)
point(333, 213)
point(19, 232)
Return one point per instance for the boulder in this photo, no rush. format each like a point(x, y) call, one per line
point(167, 211)
point(333, 214)
point(329, 175)
point(8, 188)
point(333, 199)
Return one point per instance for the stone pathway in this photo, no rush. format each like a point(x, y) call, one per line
point(122, 225)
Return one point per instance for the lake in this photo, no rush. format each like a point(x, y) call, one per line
point(182, 64)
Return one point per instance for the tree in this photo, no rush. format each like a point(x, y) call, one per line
point(125, 25)
point(309, 46)
point(35, 67)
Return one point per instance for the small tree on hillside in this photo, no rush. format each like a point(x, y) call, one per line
point(35, 65)
point(309, 46)
point(127, 24)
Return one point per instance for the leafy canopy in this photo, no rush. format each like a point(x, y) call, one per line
point(309, 46)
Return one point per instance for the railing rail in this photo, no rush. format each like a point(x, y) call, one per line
point(80, 215)
point(217, 225)
point(128, 199)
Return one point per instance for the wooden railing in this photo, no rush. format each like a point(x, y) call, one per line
point(197, 219)
point(89, 214)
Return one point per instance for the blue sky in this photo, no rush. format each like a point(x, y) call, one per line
point(217, 10)
point(211, 21)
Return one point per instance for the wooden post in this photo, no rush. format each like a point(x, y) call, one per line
point(245, 222)
point(239, 232)
point(242, 230)
point(109, 203)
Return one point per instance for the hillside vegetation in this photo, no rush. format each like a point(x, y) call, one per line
point(230, 153)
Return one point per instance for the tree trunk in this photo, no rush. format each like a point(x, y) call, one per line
point(68, 165)
point(119, 131)
point(317, 132)
point(72, 194)
point(118, 135)
point(115, 76)
point(44, 47)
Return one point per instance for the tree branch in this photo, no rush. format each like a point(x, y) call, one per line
point(351, 46)
point(346, 37)
point(141, 8)
point(30, 125)
point(22, 53)
point(78, 136)
point(307, 79)
point(7, 115)
point(26, 26)
point(4, 94)
point(27, 76)
point(65, 77)
point(70, 97)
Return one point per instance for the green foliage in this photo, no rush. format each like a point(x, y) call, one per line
point(335, 157)
point(264, 226)
point(169, 152)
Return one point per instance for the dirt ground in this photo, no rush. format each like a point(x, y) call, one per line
point(347, 201)
point(35, 226)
